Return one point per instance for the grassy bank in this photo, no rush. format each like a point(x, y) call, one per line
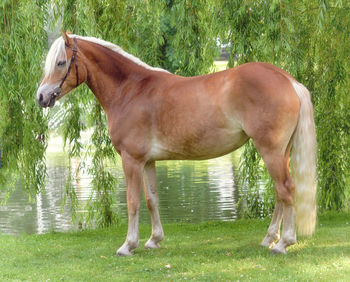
point(204, 251)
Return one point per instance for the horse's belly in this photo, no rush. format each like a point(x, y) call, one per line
point(211, 144)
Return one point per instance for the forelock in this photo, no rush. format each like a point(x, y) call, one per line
point(56, 53)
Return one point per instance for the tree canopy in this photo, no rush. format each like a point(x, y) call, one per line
point(309, 39)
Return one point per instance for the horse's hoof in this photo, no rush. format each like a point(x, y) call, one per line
point(152, 245)
point(266, 243)
point(278, 250)
point(123, 251)
point(269, 241)
point(268, 246)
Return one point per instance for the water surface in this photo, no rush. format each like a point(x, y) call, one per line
point(190, 191)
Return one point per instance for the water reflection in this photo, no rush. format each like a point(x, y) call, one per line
point(44, 214)
point(189, 191)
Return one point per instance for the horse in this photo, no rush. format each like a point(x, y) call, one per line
point(154, 115)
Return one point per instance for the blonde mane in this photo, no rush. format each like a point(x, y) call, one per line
point(57, 53)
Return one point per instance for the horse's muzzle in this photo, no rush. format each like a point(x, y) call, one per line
point(50, 99)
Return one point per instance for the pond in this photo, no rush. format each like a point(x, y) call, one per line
point(190, 191)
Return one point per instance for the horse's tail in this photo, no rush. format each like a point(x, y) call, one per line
point(303, 164)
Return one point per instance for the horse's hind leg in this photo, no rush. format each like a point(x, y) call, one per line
point(277, 166)
point(273, 233)
point(150, 188)
point(288, 230)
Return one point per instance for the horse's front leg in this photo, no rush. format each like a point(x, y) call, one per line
point(150, 188)
point(133, 176)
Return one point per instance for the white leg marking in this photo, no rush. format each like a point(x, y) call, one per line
point(151, 196)
point(133, 176)
point(288, 230)
point(132, 239)
point(273, 232)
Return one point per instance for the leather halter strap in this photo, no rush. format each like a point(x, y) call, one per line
point(73, 59)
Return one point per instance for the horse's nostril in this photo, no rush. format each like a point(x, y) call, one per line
point(40, 97)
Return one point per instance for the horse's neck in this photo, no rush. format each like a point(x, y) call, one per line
point(108, 72)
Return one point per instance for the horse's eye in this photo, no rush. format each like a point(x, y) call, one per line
point(61, 63)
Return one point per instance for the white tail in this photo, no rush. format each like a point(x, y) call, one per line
point(303, 164)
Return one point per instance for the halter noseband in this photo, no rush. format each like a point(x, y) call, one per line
point(57, 91)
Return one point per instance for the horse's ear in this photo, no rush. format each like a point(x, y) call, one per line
point(66, 38)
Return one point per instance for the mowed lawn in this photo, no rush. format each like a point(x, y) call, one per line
point(218, 251)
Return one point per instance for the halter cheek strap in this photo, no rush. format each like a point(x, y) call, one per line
point(57, 91)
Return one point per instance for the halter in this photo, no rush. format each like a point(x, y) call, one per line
point(57, 91)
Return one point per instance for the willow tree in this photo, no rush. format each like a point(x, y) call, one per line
point(306, 38)
point(23, 126)
point(330, 84)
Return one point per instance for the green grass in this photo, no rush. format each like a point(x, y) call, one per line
point(204, 251)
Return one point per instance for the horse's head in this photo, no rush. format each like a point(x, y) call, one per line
point(61, 71)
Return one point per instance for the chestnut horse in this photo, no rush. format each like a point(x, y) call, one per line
point(155, 115)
